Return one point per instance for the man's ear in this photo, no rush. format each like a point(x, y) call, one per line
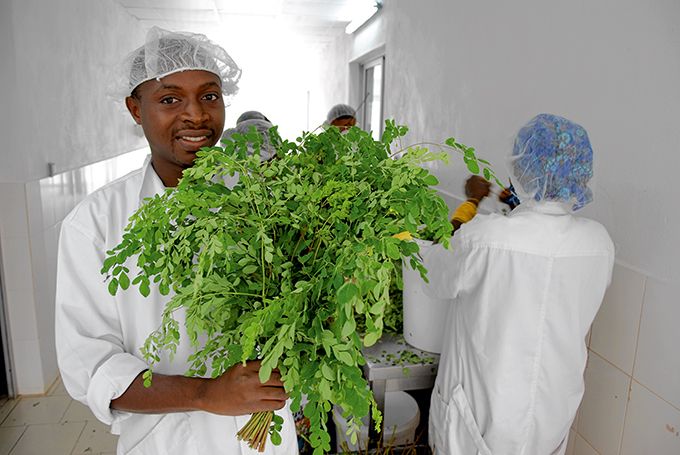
point(133, 106)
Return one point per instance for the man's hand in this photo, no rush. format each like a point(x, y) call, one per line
point(239, 391)
point(477, 187)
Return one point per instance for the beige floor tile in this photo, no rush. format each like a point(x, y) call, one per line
point(58, 389)
point(9, 437)
point(52, 439)
point(570, 443)
point(6, 408)
point(95, 438)
point(40, 410)
point(581, 447)
point(78, 412)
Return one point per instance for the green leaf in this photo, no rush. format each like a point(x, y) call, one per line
point(348, 327)
point(347, 292)
point(113, 286)
point(124, 281)
point(371, 338)
point(430, 180)
point(487, 173)
point(344, 357)
point(276, 438)
point(144, 288)
point(265, 372)
point(327, 372)
point(392, 250)
point(249, 269)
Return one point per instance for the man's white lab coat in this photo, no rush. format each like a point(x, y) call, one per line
point(98, 336)
point(526, 289)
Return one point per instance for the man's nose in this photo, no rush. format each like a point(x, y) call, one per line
point(195, 112)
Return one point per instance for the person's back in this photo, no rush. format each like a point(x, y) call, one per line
point(526, 289)
point(529, 289)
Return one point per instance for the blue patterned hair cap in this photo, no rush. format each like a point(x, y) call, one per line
point(552, 160)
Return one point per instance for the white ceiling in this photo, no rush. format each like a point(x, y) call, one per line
point(317, 22)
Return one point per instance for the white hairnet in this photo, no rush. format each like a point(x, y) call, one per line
point(251, 115)
point(267, 150)
point(552, 160)
point(340, 110)
point(166, 52)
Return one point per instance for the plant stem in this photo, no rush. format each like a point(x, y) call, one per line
point(255, 431)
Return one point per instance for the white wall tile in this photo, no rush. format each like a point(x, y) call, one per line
point(28, 367)
point(34, 206)
point(604, 405)
point(652, 425)
point(615, 329)
point(13, 219)
point(657, 365)
point(47, 198)
point(21, 316)
point(16, 261)
point(581, 447)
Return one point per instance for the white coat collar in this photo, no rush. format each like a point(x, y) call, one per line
point(547, 207)
point(151, 182)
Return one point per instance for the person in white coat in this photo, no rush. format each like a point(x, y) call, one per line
point(173, 87)
point(526, 288)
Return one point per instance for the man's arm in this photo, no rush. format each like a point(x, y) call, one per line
point(237, 392)
point(476, 189)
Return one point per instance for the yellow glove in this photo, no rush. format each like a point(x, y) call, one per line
point(465, 212)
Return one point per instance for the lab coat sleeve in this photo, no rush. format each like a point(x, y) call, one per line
point(93, 362)
point(444, 270)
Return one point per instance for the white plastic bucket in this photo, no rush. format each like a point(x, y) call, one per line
point(400, 422)
point(424, 316)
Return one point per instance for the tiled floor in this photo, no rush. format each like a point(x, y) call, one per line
point(53, 424)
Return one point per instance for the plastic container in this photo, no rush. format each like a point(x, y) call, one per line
point(400, 422)
point(424, 316)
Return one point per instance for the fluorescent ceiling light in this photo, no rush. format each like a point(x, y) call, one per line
point(362, 13)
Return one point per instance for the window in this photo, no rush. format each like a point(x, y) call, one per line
point(374, 77)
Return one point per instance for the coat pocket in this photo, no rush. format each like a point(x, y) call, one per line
point(466, 430)
point(453, 429)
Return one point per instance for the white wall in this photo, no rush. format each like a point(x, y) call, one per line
point(55, 109)
point(59, 55)
point(479, 71)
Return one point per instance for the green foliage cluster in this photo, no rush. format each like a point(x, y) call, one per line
point(282, 266)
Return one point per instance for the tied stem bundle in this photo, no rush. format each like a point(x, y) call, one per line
point(255, 431)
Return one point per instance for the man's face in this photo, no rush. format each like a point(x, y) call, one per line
point(179, 114)
point(344, 123)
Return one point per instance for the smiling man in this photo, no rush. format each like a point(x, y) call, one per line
point(174, 87)
point(180, 114)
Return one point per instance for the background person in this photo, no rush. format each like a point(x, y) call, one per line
point(173, 87)
point(267, 150)
point(342, 116)
point(526, 288)
point(251, 115)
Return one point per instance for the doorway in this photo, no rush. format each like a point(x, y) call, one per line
point(6, 385)
point(373, 74)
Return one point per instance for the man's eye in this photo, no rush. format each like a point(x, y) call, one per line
point(169, 100)
point(211, 97)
